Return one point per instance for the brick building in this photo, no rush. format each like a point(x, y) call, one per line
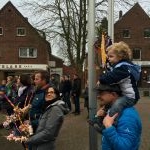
point(57, 68)
point(22, 48)
point(134, 29)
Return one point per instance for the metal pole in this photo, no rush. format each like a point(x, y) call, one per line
point(111, 19)
point(91, 72)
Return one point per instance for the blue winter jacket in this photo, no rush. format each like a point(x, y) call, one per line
point(126, 74)
point(36, 109)
point(126, 134)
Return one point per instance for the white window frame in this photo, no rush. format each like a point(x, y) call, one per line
point(27, 52)
point(21, 28)
point(2, 30)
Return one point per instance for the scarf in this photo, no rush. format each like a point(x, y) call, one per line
point(21, 89)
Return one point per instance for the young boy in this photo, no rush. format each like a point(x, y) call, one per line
point(124, 73)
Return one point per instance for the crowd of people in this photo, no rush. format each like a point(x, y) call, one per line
point(48, 101)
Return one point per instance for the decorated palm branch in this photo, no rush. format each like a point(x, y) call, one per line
point(20, 122)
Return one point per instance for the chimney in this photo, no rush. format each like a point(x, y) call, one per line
point(26, 18)
point(120, 14)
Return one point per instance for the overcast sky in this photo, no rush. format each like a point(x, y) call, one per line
point(15, 3)
point(144, 3)
point(3, 2)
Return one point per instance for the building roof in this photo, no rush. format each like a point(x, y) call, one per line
point(10, 5)
point(135, 11)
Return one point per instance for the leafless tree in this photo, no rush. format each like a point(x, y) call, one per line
point(65, 23)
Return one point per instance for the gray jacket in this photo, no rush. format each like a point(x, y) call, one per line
point(49, 127)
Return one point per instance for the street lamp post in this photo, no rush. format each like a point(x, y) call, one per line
point(111, 19)
point(91, 72)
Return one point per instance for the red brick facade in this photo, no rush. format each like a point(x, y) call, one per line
point(136, 21)
point(69, 70)
point(10, 43)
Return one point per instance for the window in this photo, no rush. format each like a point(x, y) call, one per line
point(126, 33)
point(26, 52)
point(147, 33)
point(136, 54)
point(21, 31)
point(1, 31)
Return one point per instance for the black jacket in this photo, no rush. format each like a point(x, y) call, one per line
point(76, 87)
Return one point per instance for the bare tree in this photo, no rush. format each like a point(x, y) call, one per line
point(65, 23)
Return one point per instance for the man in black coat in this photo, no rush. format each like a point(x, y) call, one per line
point(76, 91)
point(66, 91)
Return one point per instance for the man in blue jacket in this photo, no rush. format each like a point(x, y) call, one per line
point(41, 81)
point(126, 133)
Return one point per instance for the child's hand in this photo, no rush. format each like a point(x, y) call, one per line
point(101, 112)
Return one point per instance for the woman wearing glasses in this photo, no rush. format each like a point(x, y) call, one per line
point(50, 122)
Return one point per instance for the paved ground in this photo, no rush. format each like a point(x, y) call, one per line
point(74, 134)
point(144, 110)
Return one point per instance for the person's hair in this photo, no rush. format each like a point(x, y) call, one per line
point(44, 75)
point(10, 77)
point(25, 79)
point(56, 91)
point(122, 50)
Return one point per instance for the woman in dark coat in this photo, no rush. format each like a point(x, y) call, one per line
point(25, 91)
point(50, 122)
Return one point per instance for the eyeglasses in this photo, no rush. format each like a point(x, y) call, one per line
point(50, 92)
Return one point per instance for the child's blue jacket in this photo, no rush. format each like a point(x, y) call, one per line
point(126, 74)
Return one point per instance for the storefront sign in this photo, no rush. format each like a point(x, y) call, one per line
point(23, 67)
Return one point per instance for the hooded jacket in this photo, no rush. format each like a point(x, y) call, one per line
point(49, 126)
point(126, 74)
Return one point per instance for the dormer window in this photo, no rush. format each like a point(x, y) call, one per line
point(21, 31)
